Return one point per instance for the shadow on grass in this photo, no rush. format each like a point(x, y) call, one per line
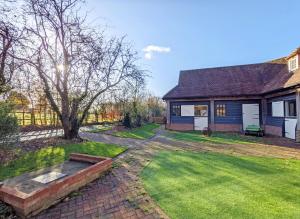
point(144, 132)
point(54, 155)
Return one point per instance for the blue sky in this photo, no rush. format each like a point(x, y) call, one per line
point(199, 34)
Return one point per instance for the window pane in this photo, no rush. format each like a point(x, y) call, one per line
point(175, 110)
point(293, 64)
point(292, 108)
point(221, 110)
point(201, 110)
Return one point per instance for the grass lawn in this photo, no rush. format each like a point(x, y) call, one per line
point(53, 155)
point(215, 138)
point(144, 132)
point(100, 129)
point(215, 185)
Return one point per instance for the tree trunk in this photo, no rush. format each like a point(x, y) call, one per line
point(23, 116)
point(96, 116)
point(45, 116)
point(71, 133)
point(32, 117)
point(71, 129)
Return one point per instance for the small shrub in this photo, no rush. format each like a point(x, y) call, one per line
point(127, 120)
point(8, 125)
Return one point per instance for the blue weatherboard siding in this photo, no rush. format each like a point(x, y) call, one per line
point(182, 119)
point(187, 119)
point(234, 112)
point(277, 121)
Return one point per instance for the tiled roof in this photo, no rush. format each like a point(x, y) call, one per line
point(241, 80)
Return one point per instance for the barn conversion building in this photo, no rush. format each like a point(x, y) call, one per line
point(231, 98)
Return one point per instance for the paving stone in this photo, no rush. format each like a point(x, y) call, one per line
point(120, 193)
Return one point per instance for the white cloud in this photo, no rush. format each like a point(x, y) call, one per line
point(150, 49)
point(148, 55)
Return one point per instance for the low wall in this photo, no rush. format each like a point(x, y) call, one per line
point(213, 127)
point(180, 126)
point(273, 130)
point(30, 204)
point(227, 127)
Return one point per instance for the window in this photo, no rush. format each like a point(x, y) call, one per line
point(187, 110)
point(201, 110)
point(221, 110)
point(293, 63)
point(175, 110)
point(277, 109)
point(290, 108)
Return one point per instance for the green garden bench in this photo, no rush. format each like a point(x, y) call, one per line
point(254, 130)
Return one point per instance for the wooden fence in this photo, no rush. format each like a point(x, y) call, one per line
point(50, 118)
point(158, 120)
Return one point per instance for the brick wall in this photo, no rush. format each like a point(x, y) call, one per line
point(213, 127)
point(180, 126)
point(273, 130)
point(33, 203)
point(227, 127)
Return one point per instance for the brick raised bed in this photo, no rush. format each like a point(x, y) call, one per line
point(43, 196)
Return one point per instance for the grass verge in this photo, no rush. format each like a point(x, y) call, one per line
point(100, 129)
point(54, 155)
point(144, 132)
point(215, 138)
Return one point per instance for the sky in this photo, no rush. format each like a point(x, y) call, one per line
point(173, 35)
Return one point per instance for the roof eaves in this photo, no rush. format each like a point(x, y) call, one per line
point(165, 97)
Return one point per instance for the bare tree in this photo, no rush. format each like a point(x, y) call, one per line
point(75, 61)
point(10, 42)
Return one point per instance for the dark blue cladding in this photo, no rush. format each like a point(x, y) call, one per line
point(234, 112)
point(182, 119)
point(275, 121)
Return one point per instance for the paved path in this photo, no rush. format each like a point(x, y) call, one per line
point(129, 142)
point(118, 194)
point(27, 136)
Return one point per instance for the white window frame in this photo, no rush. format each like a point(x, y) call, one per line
point(296, 59)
